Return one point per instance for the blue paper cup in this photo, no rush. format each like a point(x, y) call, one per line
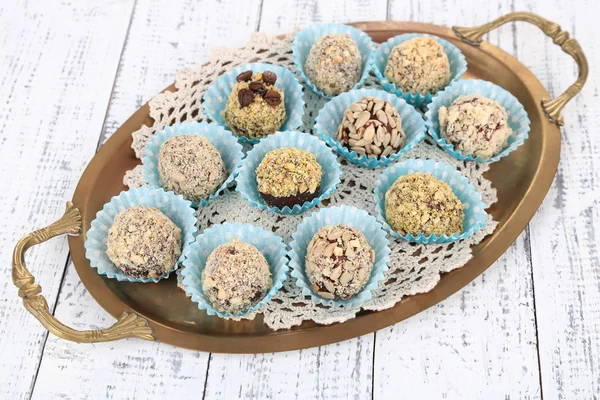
point(351, 216)
point(304, 40)
point(269, 244)
point(474, 209)
point(517, 116)
point(173, 206)
point(330, 117)
point(246, 179)
point(224, 141)
point(458, 66)
point(217, 94)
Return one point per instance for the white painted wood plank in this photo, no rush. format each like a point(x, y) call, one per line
point(339, 371)
point(565, 231)
point(57, 64)
point(481, 342)
point(165, 36)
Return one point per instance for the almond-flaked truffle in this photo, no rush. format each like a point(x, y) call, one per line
point(418, 65)
point(236, 277)
point(143, 242)
point(255, 107)
point(288, 176)
point(475, 125)
point(339, 261)
point(191, 166)
point(373, 127)
point(334, 64)
point(421, 203)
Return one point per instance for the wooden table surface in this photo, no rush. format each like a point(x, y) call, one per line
point(72, 71)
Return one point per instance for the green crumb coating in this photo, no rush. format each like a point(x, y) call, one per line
point(420, 203)
point(287, 172)
point(258, 119)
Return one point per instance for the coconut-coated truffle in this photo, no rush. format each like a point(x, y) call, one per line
point(288, 176)
point(418, 65)
point(373, 127)
point(339, 261)
point(334, 64)
point(236, 277)
point(191, 166)
point(421, 203)
point(475, 125)
point(143, 242)
point(255, 107)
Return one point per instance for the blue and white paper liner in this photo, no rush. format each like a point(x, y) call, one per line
point(331, 115)
point(517, 116)
point(217, 94)
point(224, 141)
point(246, 179)
point(458, 66)
point(175, 207)
point(269, 244)
point(304, 40)
point(351, 216)
point(474, 209)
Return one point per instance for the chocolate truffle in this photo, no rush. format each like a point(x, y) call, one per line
point(421, 203)
point(191, 166)
point(334, 64)
point(236, 277)
point(373, 127)
point(255, 107)
point(475, 125)
point(143, 242)
point(338, 261)
point(288, 176)
point(418, 65)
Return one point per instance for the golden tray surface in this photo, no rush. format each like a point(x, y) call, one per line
point(163, 312)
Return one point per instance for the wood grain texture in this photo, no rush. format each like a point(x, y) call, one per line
point(57, 65)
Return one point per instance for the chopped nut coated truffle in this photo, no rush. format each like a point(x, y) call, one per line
point(420, 203)
point(418, 65)
point(236, 277)
point(191, 166)
point(255, 107)
point(475, 125)
point(373, 127)
point(334, 64)
point(143, 242)
point(339, 261)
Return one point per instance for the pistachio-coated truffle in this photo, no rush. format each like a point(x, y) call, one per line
point(421, 203)
point(236, 277)
point(475, 125)
point(143, 242)
point(191, 166)
point(334, 64)
point(418, 65)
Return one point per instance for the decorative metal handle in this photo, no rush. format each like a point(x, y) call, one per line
point(552, 108)
point(129, 325)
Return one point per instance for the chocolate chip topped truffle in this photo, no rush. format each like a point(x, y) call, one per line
point(191, 166)
point(373, 127)
point(339, 261)
point(475, 125)
point(418, 65)
point(421, 203)
point(255, 107)
point(236, 277)
point(143, 242)
point(288, 176)
point(334, 64)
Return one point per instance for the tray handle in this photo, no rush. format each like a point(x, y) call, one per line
point(553, 107)
point(129, 325)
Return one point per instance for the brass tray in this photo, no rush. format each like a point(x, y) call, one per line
point(163, 312)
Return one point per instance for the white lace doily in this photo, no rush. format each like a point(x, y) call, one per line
point(413, 268)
